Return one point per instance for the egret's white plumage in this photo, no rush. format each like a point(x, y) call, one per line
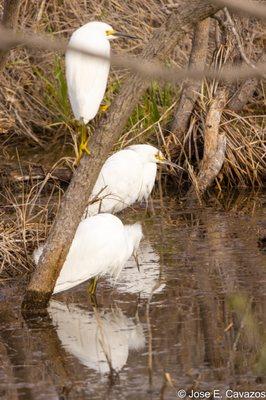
point(93, 338)
point(86, 75)
point(102, 245)
point(126, 177)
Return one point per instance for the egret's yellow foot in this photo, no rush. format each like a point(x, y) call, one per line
point(92, 286)
point(104, 107)
point(83, 146)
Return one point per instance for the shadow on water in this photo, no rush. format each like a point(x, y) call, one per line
point(193, 318)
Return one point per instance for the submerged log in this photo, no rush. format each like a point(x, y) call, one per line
point(214, 147)
point(106, 134)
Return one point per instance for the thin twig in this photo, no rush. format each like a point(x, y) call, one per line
point(231, 25)
point(247, 7)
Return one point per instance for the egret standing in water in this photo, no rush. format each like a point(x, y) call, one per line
point(102, 245)
point(87, 75)
point(126, 177)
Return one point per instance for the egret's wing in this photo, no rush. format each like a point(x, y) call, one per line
point(119, 181)
point(148, 179)
point(87, 77)
point(99, 247)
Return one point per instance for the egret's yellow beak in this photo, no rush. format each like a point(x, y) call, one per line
point(116, 34)
point(162, 160)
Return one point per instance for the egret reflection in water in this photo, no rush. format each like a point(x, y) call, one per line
point(99, 340)
point(147, 279)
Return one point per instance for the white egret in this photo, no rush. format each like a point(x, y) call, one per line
point(99, 341)
point(87, 75)
point(102, 245)
point(126, 177)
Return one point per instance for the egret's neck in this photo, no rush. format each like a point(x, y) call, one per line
point(134, 235)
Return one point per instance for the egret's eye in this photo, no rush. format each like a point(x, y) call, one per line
point(159, 157)
point(110, 32)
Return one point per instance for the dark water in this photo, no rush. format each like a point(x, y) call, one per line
point(194, 317)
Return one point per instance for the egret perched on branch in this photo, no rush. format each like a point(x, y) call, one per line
point(102, 245)
point(126, 177)
point(87, 75)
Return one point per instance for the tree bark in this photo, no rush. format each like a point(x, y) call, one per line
point(214, 147)
point(244, 92)
point(191, 88)
point(9, 20)
point(106, 134)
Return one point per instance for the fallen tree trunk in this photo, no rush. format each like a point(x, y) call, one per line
point(106, 134)
point(191, 88)
point(214, 148)
point(9, 20)
point(27, 172)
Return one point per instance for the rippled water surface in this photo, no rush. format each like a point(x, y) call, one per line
point(193, 318)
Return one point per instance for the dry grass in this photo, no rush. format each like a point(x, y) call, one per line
point(245, 154)
point(245, 163)
point(25, 219)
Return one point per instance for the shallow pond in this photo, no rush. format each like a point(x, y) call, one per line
point(192, 319)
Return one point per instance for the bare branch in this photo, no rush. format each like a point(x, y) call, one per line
point(243, 94)
point(246, 7)
point(246, 90)
point(191, 89)
point(230, 23)
point(214, 147)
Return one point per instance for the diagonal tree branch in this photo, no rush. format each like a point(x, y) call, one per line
point(246, 7)
point(9, 20)
point(106, 134)
point(191, 88)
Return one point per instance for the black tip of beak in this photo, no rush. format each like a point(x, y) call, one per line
point(173, 165)
point(125, 35)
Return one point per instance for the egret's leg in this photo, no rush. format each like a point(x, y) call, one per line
point(104, 107)
point(149, 207)
point(84, 138)
point(135, 256)
point(93, 300)
point(92, 286)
